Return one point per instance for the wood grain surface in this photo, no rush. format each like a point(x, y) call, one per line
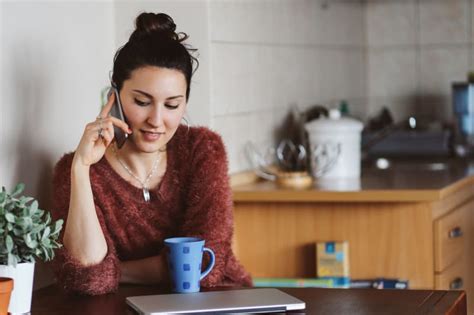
point(52, 301)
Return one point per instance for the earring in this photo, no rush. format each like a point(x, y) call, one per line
point(185, 122)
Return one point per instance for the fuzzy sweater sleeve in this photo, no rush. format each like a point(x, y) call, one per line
point(70, 273)
point(209, 211)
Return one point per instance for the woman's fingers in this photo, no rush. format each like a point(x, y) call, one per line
point(106, 109)
point(107, 126)
point(120, 123)
point(105, 117)
point(107, 135)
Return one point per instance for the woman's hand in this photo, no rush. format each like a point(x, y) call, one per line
point(98, 135)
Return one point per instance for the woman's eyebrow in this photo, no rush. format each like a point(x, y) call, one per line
point(144, 93)
point(174, 97)
point(151, 97)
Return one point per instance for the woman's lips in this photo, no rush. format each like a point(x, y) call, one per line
point(151, 136)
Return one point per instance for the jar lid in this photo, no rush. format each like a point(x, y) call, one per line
point(334, 123)
point(6, 285)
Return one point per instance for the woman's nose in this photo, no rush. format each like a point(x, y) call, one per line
point(156, 116)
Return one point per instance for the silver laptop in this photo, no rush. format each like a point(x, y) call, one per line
point(229, 301)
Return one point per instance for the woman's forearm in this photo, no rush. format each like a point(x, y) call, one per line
point(83, 236)
point(149, 270)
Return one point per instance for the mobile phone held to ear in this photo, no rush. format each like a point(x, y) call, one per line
point(117, 112)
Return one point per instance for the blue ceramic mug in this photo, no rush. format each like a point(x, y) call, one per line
point(184, 262)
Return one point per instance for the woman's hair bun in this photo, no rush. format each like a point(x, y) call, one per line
point(149, 24)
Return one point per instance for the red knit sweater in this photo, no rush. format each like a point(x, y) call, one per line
point(193, 199)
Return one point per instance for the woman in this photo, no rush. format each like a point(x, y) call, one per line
point(167, 180)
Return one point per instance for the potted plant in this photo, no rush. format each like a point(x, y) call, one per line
point(27, 233)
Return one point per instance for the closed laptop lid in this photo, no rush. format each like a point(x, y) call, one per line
point(231, 301)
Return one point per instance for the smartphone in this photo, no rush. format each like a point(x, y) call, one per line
point(117, 112)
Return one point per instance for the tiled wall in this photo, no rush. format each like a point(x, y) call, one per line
point(415, 49)
point(269, 55)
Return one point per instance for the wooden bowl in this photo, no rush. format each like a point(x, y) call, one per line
point(297, 180)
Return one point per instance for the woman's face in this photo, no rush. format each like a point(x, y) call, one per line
point(153, 101)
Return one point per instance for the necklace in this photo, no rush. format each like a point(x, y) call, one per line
point(146, 192)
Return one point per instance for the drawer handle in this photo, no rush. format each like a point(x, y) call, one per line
point(456, 284)
point(455, 232)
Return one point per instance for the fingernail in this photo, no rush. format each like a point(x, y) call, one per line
point(129, 130)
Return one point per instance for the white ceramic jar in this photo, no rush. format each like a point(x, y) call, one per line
point(335, 146)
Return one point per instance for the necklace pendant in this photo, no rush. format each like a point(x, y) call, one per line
point(146, 194)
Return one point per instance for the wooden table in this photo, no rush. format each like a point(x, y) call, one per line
point(51, 301)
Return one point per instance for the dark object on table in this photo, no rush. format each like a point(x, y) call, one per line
point(406, 143)
point(463, 108)
point(382, 120)
point(410, 137)
point(379, 283)
point(315, 112)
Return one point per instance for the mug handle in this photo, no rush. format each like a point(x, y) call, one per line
point(211, 263)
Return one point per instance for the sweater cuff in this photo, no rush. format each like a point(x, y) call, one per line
point(95, 279)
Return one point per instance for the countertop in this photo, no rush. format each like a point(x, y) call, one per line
point(404, 181)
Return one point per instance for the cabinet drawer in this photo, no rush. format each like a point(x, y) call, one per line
point(449, 235)
point(453, 278)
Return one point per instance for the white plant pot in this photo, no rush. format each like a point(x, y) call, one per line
point(22, 274)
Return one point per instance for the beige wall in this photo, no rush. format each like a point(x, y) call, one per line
point(268, 55)
point(54, 61)
point(416, 48)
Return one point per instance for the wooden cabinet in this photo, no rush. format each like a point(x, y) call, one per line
point(454, 258)
point(428, 241)
point(450, 235)
point(453, 278)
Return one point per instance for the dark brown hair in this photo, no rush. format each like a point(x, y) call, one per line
point(154, 43)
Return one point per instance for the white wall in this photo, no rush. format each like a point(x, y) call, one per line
point(415, 50)
point(268, 55)
point(55, 60)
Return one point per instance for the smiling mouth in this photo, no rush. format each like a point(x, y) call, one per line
point(152, 132)
point(151, 136)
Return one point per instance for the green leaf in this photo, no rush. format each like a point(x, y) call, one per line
point(10, 217)
point(45, 234)
point(46, 242)
point(37, 228)
point(9, 243)
point(17, 232)
point(29, 241)
point(25, 223)
point(24, 200)
point(33, 207)
point(50, 253)
point(47, 219)
point(12, 260)
point(58, 225)
point(46, 255)
point(18, 189)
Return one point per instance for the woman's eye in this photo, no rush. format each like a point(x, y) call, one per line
point(171, 106)
point(141, 103)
